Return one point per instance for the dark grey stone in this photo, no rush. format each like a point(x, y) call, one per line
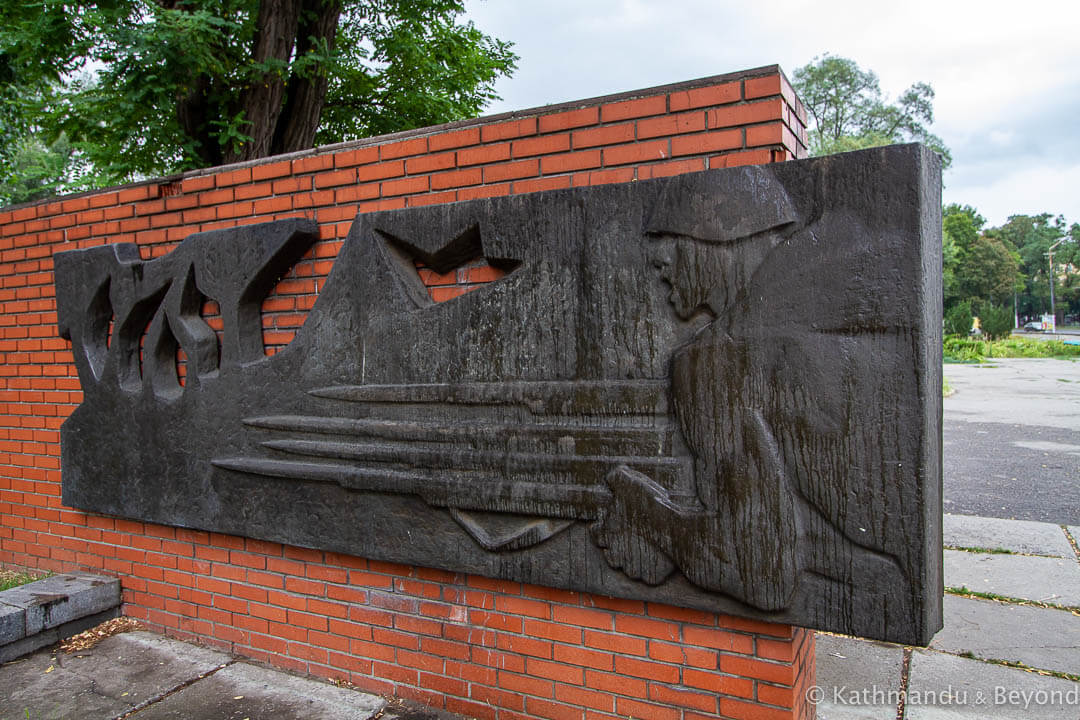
point(53, 635)
point(34, 614)
point(718, 390)
point(12, 623)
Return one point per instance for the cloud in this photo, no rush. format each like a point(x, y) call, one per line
point(1007, 76)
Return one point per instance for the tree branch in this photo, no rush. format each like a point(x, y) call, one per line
point(261, 101)
point(305, 94)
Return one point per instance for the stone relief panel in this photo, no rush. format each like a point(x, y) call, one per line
point(718, 390)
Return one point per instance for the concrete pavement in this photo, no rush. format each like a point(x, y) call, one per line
point(1010, 650)
point(1012, 440)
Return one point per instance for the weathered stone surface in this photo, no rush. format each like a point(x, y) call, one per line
point(117, 675)
point(1041, 638)
point(246, 691)
point(858, 680)
point(945, 687)
point(54, 601)
point(1018, 536)
point(718, 390)
point(1051, 580)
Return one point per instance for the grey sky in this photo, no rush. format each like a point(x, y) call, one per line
point(1007, 75)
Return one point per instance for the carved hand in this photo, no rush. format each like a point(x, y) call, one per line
point(631, 528)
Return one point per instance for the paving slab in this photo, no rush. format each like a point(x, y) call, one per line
point(1044, 579)
point(1033, 394)
point(946, 687)
point(248, 691)
point(1039, 637)
point(29, 689)
point(1018, 536)
point(113, 677)
point(857, 679)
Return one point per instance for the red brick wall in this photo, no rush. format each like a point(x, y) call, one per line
point(472, 645)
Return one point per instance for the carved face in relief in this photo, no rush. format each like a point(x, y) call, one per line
point(707, 276)
point(687, 267)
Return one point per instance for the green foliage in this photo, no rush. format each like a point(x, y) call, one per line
point(958, 319)
point(977, 265)
point(15, 578)
point(961, 224)
point(967, 349)
point(1032, 237)
point(987, 272)
point(958, 348)
point(456, 66)
point(848, 110)
point(151, 87)
point(996, 321)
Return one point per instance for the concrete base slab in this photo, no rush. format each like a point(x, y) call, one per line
point(27, 645)
point(1018, 536)
point(946, 687)
point(247, 691)
point(1038, 637)
point(141, 665)
point(1050, 580)
point(111, 678)
point(858, 679)
point(49, 604)
point(155, 678)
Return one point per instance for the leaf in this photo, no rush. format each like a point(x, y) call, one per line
point(145, 88)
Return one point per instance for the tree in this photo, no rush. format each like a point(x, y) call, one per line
point(996, 321)
point(988, 273)
point(978, 267)
point(848, 112)
point(150, 87)
point(960, 226)
point(958, 319)
point(1032, 236)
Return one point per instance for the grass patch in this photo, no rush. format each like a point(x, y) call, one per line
point(15, 578)
point(946, 388)
point(982, 550)
point(959, 349)
point(963, 591)
point(1021, 666)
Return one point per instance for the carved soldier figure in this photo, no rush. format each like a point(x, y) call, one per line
point(761, 394)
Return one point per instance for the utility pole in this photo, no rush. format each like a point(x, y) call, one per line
point(1050, 253)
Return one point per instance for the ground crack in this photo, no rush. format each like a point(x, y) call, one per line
point(161, 696)
point(1072, 541)
point(905, 681)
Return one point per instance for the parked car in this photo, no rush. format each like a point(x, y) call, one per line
point(1033, 326)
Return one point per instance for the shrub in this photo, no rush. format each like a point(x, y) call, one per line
point(967, 349)
point(964, 349)
point(996, 321)
point(958, 319)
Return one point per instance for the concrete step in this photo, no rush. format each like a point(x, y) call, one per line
point(46, 611)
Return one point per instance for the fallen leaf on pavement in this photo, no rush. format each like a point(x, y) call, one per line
point(89, 638)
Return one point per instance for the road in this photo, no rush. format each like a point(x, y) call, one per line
point(1012, 440)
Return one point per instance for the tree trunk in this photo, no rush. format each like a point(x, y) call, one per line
point(304, 96)
point(192, 111)
point(275, 37)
